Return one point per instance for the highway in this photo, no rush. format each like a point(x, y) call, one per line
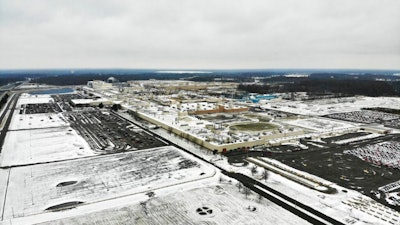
point(7, 111)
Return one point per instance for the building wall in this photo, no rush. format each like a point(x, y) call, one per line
point(219, 109)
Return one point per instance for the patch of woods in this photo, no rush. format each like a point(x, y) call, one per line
point(324, 86)
point(385, 110)
point(3, 101)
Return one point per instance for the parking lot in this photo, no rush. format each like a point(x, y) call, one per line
point(65, 99)
point(368, 116)
point(40, 108)
point(330, 161)
point(107, 132)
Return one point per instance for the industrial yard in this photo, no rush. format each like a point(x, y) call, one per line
point(79, 152)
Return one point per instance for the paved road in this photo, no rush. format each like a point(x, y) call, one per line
point(13, 101)
point(298, 208)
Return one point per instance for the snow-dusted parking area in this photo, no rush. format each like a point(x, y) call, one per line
point(385, 153)
point(37, 121)
point(47, 187)
point(335, 105)
point(33, 99)
point(320, 124)
point(366, 116)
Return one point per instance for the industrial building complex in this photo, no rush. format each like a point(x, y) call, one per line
point(185, 152)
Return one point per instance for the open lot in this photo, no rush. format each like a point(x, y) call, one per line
point(43, 145)
point(47, 187)
point(37, 121)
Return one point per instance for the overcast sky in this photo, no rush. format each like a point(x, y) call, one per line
point(200, 34)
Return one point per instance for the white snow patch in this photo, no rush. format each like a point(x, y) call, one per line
point(43, 145)
point(35, 121)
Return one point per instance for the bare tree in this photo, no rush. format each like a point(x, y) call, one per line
point(265, 175)
point(246, 191)
point(239, 186)
point(259, 198)
point(254, 170)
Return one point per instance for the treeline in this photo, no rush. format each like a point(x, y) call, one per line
point(7, 80)
point(385, 110)
point(82, 79)
point(3, 101)
point(347, 87)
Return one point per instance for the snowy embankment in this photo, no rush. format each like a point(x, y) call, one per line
point(365, 137)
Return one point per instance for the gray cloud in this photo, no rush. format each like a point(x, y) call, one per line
point(200, 34)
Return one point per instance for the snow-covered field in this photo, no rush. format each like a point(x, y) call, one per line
point(34, 189)
point(43, 145)
point(37, 121)
point(33, 99)
point(3, 187)
point(207, 205)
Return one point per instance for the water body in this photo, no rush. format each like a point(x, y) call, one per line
point(53, 91)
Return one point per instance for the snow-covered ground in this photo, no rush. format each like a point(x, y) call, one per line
point(220, 204)
point(175, 205)
point(37, 121)
point(349, 140)
point(33, 189)
point(33, 99)
point(32, 85)
point(43, 145)
point(3, 187)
